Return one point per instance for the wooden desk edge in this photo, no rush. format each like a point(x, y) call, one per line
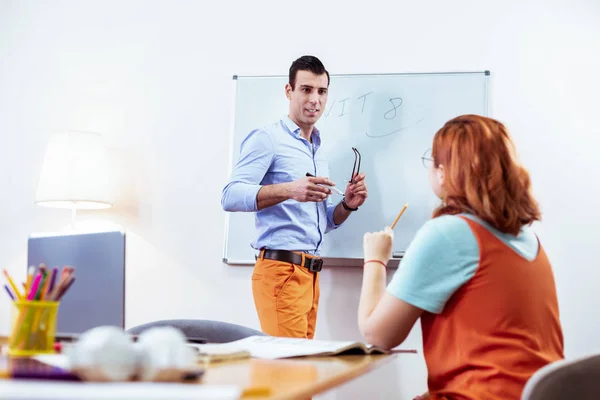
point(321, 387)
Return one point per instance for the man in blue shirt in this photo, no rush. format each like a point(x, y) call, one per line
point(283, 177)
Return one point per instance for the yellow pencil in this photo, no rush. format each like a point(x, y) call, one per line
point(12, 284)
point(399, 215)
point(30, 273)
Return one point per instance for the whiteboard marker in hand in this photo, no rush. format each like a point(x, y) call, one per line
point(338, 191)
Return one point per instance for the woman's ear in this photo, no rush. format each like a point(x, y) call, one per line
point(440, 174)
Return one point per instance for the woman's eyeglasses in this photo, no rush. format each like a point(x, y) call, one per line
point(426, 159)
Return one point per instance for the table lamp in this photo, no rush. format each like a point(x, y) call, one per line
point(75, 173)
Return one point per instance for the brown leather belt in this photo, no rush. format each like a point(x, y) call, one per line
point(312, 263)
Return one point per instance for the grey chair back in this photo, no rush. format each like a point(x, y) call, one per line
point(566, 379)
point(212, 331)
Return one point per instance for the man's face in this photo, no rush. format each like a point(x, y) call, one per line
point(308, 99)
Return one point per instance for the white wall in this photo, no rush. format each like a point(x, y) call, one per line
point(155, 78)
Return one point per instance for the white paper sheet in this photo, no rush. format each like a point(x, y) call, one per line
point(56, 360)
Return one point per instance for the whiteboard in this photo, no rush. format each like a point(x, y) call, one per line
point(391, 119)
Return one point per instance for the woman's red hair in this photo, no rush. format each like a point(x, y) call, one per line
point(482, 174)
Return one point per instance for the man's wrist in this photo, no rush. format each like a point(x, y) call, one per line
point(286, 190)
point(347, 207)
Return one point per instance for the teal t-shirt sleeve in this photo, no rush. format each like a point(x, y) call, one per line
point(442, 257)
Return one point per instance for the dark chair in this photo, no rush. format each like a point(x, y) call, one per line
point(212, 331)
point(565, 379)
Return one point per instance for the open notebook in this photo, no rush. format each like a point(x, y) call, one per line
point(268, 347)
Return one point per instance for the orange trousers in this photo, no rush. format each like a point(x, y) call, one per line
point(286, 297)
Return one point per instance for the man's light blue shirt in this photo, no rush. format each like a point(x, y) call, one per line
point(278, 154)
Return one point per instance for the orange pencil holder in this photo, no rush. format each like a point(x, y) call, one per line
point(33, 328)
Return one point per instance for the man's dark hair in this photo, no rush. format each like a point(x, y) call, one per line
point(307, 63)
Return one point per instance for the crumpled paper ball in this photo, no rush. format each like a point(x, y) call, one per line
point(105, 353)
point(164, 355)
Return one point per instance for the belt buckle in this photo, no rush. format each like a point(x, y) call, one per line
point(315, 264)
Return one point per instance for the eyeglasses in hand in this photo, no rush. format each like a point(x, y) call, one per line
point(355, 169)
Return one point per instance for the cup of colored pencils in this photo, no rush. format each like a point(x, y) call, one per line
point(35, 309)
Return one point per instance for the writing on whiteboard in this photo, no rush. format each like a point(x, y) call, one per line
point(350, 106)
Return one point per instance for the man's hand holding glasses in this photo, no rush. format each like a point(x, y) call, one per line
point(317, 188)
point(356, 190)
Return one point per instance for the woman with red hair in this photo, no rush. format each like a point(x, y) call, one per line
point(475, 274)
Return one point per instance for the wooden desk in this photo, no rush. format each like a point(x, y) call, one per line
point(290, 379)
point(298, 378)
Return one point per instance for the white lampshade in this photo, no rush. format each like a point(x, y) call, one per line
point(76, 173)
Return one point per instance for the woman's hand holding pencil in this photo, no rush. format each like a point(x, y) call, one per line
point(377, 246)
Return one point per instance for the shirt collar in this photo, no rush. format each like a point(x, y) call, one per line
point(295, 130)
